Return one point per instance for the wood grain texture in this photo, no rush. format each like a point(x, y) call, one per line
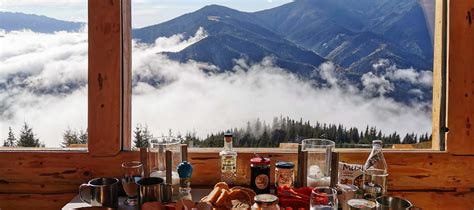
point(439, 200)
point(460, 138)
point(438, 59)
point(104, 100)
point(54, 174)
point(126, 75)
point(34, 201)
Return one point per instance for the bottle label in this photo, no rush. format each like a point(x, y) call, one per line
point(261, 181)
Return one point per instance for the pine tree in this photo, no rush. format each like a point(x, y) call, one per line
point(11, 140)
point(83, 137)
point(27, 138)
point(142, 136)
point(69, 137)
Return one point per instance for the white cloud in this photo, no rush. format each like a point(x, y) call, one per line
point(189, 98)
point(413, 76)
point(376, 85)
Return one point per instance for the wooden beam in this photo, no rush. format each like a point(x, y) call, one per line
point(64, 172)
point(439, 200)
point(460, 138)
point(126, 74)
point(105, 80)
point(34, 201)
point(439, 59)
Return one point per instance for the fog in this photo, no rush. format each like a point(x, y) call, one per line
point(43, 82)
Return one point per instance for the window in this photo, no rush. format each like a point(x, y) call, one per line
point(43, 74)
point(282, 71)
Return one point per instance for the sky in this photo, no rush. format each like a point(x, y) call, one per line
point(144, 12)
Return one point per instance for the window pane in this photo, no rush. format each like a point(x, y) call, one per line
point(43, 73)
point(280, 71)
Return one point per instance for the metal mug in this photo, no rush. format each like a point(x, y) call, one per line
point(392, 203)
point(101, 192)
point(149, 190)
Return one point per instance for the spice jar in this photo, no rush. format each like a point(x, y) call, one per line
point(284, 174)
point(266, 202)
point(260, 174)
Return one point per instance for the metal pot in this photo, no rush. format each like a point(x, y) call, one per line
point(392, 203)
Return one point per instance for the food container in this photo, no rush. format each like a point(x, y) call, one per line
point(266, 202)
point(361, 204)
point(284, 174)
point(260, 175)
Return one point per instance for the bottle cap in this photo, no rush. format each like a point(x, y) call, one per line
point(377, 142)
point(286, 165)
point(266, 199)
point(185, 170)
point(259, 160)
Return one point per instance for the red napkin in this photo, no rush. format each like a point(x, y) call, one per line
point(294, 198)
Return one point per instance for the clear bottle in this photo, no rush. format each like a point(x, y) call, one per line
point(228, 161)
point(375, 173)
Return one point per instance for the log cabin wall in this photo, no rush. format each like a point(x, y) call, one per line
point(49, 179)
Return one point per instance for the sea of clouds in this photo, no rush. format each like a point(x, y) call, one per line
point(43, 81)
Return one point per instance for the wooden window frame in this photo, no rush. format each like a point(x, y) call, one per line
point(428, 178)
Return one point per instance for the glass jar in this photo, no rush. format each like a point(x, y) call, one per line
point(266, 202)
point(260, 175)
point(284, 174)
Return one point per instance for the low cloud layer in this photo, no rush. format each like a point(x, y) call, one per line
point(44, 83)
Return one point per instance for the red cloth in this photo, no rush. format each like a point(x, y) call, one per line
point(294, 198)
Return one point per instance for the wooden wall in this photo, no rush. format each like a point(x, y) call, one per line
point(48, 180)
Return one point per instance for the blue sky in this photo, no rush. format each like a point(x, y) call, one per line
point(145, 12)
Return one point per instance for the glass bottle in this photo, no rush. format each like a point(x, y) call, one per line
point(375, 173)
point(185, 171)
point(228, 161)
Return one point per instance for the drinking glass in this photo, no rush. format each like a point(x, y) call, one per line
point(158, 148)
point(133, 171)
point(319, 161)
point(323, 198)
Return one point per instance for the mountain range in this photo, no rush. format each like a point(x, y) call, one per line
point(300, 35)
point(13, 21)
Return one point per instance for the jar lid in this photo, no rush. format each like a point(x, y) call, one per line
point(361, 204)
point(259, 160)
point(283, 164)
point(266, 199)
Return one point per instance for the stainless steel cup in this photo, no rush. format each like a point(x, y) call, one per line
point(392, 203)
point(149, 190)
point(100, 192)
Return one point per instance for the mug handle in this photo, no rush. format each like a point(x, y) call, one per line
point(88, 188)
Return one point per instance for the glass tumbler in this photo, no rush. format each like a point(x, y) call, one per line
point(133, 171)
point(319, 161)
point(158, 166)
point(323, 198)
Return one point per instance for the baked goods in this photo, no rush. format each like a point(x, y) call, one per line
point(222, 185)
point(221, 197)
point(222, 200)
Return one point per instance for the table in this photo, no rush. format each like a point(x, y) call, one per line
point(77, 203)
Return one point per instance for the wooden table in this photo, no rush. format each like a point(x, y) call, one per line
point(77, 203)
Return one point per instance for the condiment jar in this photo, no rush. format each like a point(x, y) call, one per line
point(266, 202)
point(260, 175)
point(284, 174)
